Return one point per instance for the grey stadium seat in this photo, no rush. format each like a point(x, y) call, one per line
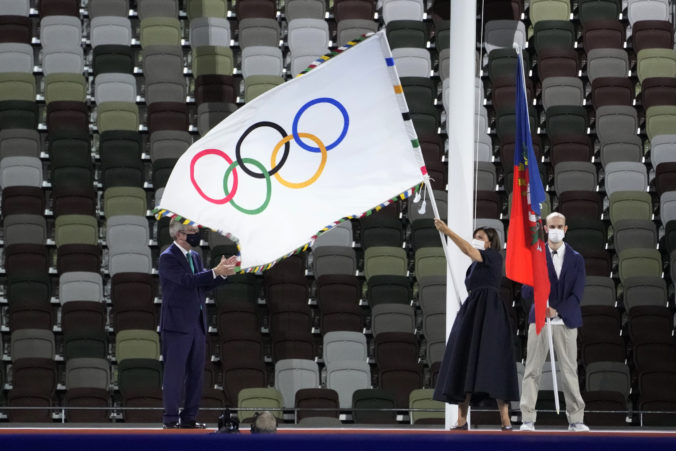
point(344, 345)
point(138, 260)
point(500, 34)
point(308, 36)
point(156, 8)
point(80, 286)
point(414, 208)
point(339, 235)
point(16, 57)
point(622, 148)
point(292, 375)
point(209, 31)
point(645, 291)
point(304, 9)
point(334, 260)
point(412, 62)
point(562, 91)
point(24, 229)
point(60, 33)
point(347, 376)
point(607, 63)
point(15, 8)
point(599, 290)
point(391, 317)
point(406, 10)
point(350, 29)
point(575, 176)
point(20, 171)
point(210, 114)
point(87, 372)
point(258, 31)
point(625, 176)
point(109, 30)
point(262, 60)
point(56, 61)
point(32, 343)
point(19, 142)
point(98, 8)
point(169, 144)
point(662, 149)
point(127, 232)
point(114, 86)
point(616, 121)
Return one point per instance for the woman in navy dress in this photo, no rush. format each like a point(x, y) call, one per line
point(479, 361)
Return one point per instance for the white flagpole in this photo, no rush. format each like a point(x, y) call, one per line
point(444, 243)
point(517, 47)
point(552, 360)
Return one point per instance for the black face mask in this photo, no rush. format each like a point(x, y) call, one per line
point(193, 239)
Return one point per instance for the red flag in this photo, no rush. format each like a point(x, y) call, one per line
point(526, 260)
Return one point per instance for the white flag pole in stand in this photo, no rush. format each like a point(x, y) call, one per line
point(552, 360)
point(517, 47)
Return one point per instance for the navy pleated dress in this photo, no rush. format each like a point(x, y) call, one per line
point(479, 356)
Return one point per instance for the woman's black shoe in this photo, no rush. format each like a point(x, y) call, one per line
point(464, 427)
point(506, 428)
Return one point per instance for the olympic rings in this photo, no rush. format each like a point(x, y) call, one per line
point(238, 148)
point(275, 166)
point(268, 193)
point(199, 155)
point(316, 175)
point(343, 132)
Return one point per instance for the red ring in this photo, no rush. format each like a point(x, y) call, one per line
point(199, 155)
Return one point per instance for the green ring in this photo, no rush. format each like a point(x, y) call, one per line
point(268, 194)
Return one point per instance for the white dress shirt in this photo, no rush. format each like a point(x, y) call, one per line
point(557, 261)
point(185, 254)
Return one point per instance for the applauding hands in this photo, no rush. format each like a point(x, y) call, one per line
point(226, 267)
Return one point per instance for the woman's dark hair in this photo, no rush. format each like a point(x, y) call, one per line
point(492, 235)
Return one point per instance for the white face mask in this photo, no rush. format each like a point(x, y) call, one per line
point(478, 244)
point(556, 235)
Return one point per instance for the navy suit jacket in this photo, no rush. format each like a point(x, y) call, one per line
point(183, 293)
point(566, 290)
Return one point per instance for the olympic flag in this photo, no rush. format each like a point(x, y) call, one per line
point(331, 144)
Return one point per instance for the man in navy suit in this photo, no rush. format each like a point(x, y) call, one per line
point(183, 322)
point(566, 277)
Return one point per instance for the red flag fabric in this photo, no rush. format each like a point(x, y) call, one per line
point(526, 260)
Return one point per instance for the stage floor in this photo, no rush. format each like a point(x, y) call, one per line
point(145, 438)
point(140, 428)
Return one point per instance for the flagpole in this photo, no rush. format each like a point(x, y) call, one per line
point(552, 359)
point(444, 243)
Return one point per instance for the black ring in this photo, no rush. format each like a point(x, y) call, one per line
point(287, 147)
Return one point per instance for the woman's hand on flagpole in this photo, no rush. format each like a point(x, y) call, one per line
point(459, 241)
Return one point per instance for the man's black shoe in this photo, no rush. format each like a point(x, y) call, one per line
point(173, 425)
point(192, 425)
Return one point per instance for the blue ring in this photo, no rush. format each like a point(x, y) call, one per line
point(337, 104)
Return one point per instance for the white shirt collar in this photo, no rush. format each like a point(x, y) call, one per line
point(559, 252)
point(185, 253)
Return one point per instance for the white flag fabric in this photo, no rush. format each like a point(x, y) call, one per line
point(331, 144)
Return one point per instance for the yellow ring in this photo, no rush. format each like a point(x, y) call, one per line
point(316, 175)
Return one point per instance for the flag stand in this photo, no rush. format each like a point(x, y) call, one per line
point(518, 50)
